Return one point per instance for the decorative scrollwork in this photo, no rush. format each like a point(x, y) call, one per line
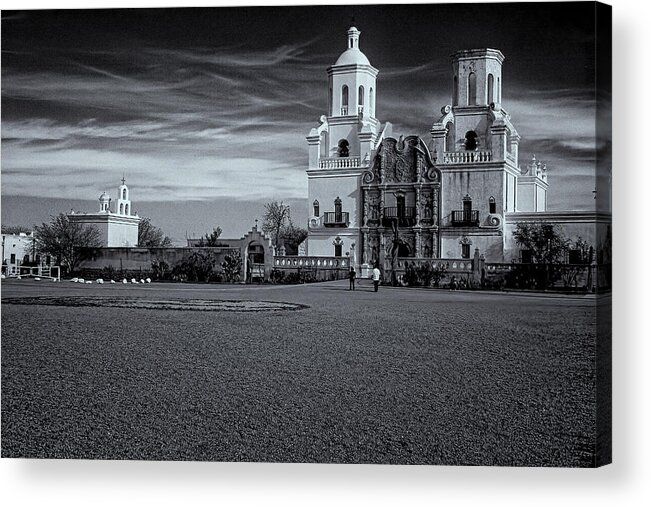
point(433, 174)
point(368, 177)
point(494, 220)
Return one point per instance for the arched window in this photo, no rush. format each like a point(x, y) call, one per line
point(455, 91)
point(121, 208)
point(465, 247)
point(449, 137)
point(343, 150)
point(499, 91)
point(472, 89)
point(491, 98)
point(344, 100)
point(371, 112)
point(126, 209)
point(360, 96)
point(338, 244)
point(330, 99)
point(315, 205)
point(491, 205)
point(471, 140)
point(323, 140)
point(124, 193)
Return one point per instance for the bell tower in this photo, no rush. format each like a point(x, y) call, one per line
point(477, 77)
point(475, 146)
point(340, 149)
point(352, 82)
point(123, 206)
point(350, 125)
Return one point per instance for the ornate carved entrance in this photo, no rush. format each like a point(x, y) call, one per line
point(401, 196)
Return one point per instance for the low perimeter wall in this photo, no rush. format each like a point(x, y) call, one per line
point(141, 261)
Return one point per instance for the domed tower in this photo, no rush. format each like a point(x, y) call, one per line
point(104, 203)
point(123, 206)
point(351, 101)
point(340, 149)
point(352, 81)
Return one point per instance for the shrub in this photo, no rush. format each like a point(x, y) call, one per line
point(232, 267)
point(198, 267)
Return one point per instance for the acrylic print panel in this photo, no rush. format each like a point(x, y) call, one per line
point(224, 240)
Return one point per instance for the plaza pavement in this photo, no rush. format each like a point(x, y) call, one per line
point(399, 376)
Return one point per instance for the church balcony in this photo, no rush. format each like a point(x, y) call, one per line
point(465, 218)
point(339, 163)
point(336, 219)
point(405, 217)
point(467, 157)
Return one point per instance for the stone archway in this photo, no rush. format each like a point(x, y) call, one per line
point(255, 262)
point(257, 256)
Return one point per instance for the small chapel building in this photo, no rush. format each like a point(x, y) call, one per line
point(117, 224)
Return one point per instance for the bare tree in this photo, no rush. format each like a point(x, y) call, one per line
point(68, 242)
point(276, 215)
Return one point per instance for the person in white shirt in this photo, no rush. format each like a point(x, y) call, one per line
point(376, 278)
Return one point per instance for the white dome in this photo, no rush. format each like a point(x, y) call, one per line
point(104, 197)
point(352, 56)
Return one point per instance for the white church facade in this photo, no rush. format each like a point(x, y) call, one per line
point(460, 191)
point(117, 224)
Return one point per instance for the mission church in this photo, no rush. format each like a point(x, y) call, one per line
point(375, 198)
point(459, 193)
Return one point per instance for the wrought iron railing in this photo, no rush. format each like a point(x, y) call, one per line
point(406, 217)
point(465, 217)
point(336, 219)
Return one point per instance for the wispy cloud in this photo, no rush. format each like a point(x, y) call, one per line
point(204, 123)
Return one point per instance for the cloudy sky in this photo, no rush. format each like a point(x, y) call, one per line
point(205, 111)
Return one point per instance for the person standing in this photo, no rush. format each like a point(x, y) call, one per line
point(376, 277)
point(351, 278)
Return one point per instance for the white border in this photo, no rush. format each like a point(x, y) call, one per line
point(72, 483)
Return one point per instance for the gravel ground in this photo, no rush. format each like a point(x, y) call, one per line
point(399, 376)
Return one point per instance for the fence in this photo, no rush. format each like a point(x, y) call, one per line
point(41, 271)
point(437, 272)
point(570, 277)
